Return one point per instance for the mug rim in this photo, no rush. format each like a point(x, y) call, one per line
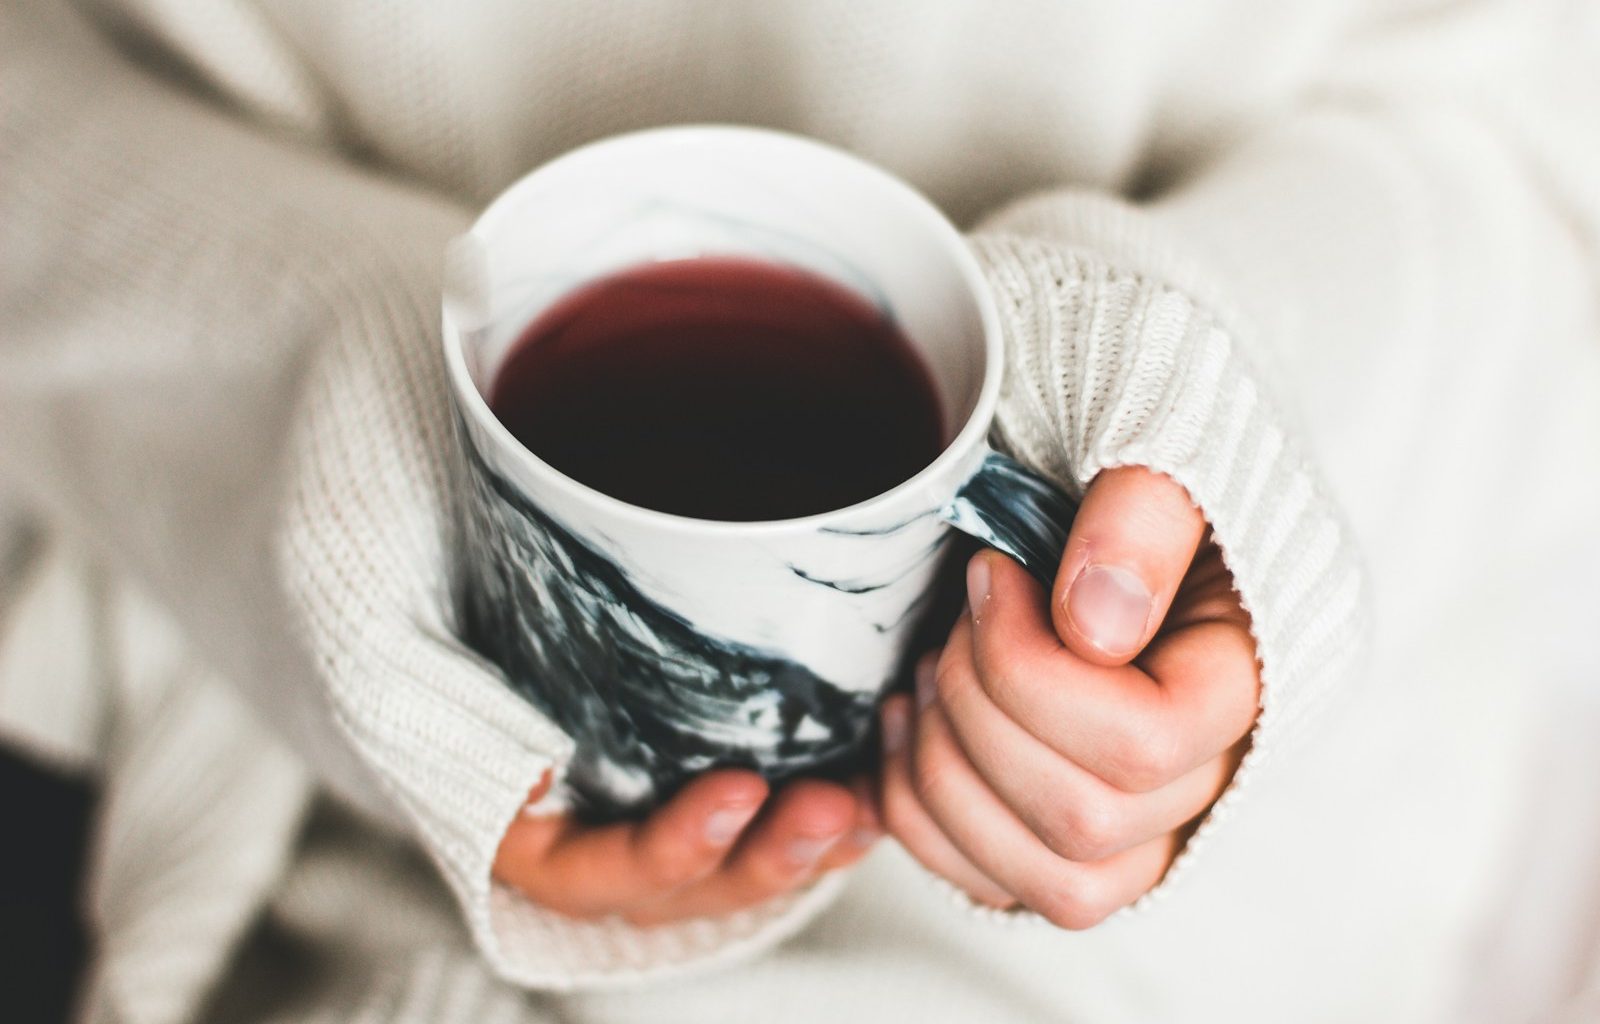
point(971, 436)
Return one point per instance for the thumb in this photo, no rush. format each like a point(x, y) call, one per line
point(1131, 544)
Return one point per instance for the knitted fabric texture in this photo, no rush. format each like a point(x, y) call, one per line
point(221, 388)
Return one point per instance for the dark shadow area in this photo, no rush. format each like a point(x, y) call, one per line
point(42, 939)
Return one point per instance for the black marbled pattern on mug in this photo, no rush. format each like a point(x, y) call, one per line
point(881, 580)
point(649, 700)
point(1015, 510)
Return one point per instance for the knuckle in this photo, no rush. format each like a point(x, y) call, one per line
point(671, 866)
point(1143, 759)
point(757, 879)
point(770, 876)
point(768, 871)
point(1072, 904)
point(1084, 831)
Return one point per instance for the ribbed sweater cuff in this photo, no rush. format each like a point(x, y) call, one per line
point(1117, 355)
point(363, 550)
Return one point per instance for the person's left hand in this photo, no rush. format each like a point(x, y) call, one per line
point(1058, 753)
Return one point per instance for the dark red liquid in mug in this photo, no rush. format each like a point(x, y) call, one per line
point(723, 389)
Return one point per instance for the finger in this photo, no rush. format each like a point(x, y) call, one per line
point(1077, 815)
point(1207, 594)
point(1135, 729)
point(528, 838)
point(810, 827)
point(864, 832)
point(783, 851)
point(719, 893)
point(995, 841)
point(909, 822)
point(583, 871)
point(1131, 542)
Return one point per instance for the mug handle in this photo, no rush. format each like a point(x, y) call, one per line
point(1016, 511)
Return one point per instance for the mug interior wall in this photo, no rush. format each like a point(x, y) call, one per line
point(770, 197)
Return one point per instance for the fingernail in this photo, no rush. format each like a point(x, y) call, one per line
point(724, 824)
point(807, 850)
point(1109, 606)
point(926, 688)
point(894, 727)
point(865, 836)
point(977, 586)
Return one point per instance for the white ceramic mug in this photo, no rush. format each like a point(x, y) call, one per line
point(665, 645)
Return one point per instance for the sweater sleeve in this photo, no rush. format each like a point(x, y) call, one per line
point(1351, 311)
point(219, 367)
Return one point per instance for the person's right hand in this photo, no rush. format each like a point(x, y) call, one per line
point(718, 846)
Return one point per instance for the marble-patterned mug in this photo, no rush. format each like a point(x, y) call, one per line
point(665, 645)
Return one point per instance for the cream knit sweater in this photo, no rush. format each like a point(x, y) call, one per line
point(1353, 309)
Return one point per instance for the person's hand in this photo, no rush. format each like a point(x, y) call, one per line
point(720, 845)
point(1059, 749)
